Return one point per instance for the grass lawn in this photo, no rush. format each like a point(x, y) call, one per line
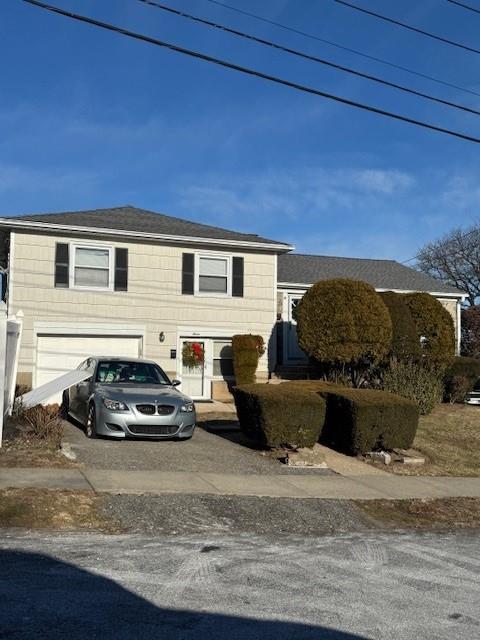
point(19, 450)
point(445, 513)
point(450, 439)
point(58, 510)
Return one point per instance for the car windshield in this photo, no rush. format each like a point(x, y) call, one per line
point(119, 371)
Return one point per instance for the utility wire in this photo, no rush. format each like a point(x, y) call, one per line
point(339, 46)
point(464, 6)
point(306, 56)
point(249, 71)
point(453, 43)
point(461, 236)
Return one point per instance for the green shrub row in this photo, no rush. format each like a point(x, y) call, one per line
point(300, 412)
point(275, 415)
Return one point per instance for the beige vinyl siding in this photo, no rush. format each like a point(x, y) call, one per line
point(153, 299)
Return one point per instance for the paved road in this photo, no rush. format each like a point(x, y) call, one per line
point(377, 585)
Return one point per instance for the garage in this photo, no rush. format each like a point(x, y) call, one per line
point(57, 354)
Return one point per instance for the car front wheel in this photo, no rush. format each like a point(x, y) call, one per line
point(91, 425)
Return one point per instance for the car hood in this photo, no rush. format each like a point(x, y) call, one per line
point(142, 393)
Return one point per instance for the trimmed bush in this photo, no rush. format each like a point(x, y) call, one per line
point(418, 381)
point(460, 378)
point(276, 415)
point(405, 343)
point(247, 350)
point(435, 329)
point(342, 321)
point(362, 420)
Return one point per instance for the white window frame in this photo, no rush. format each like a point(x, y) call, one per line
point(213, 256)
point(220, 377)
point(72, 260)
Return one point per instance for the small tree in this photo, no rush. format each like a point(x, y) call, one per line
point(471, 332)
point(344, 325)
point(455, 259)
point(435, 329)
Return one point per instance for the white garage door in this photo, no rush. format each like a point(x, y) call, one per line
point(58, 354)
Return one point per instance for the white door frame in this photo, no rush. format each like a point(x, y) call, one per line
point(289, 322)
point(207, 336)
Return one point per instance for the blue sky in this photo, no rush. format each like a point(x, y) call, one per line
point(90, 119)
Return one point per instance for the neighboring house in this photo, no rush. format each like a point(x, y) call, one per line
point(297, 272)
point(130, 282)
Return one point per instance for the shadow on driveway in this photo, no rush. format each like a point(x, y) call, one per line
point(45, 598)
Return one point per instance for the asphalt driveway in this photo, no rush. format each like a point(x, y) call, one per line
point(205, 453)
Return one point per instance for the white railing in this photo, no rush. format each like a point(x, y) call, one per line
point(10, 339)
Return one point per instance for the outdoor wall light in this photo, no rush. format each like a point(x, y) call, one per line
point(161, 336)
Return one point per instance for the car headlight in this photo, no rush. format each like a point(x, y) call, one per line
point(114, 405)
point(187, 408)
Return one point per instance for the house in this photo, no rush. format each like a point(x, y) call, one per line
point(130, 282)
point(297, 272)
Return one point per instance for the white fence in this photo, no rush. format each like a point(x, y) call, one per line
point(10, 338)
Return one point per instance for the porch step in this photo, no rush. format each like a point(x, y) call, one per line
point(299, 372)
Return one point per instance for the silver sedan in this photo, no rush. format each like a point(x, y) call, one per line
point(129, 398)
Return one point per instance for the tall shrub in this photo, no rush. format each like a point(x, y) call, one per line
point(471, 332)
point(344, 324)
point(435, 329)
point(461, 378)
point(405, 343)
point(247, 350)
point(419, 380)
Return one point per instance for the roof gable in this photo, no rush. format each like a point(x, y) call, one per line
point(296, 268)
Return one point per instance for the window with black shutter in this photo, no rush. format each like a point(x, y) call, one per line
point(237, 277)
point(62, 268)
point(188, 274)
point(121, 270)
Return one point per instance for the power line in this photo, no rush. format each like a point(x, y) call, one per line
point(306, 56)
point(464, 6)
point(453, 43)
point(249, 71)
point(343, 48)
point(460, 237)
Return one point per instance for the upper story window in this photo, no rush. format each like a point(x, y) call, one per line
point(92, 267)
point(213, 275)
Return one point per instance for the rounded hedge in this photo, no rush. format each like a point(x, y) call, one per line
point(405, 343)
point(343, 321)
point(435, 329)
point(247, 350)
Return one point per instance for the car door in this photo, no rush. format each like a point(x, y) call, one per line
point(73, 392)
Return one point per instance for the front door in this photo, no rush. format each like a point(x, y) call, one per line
point(192, 358)
point(293, 351)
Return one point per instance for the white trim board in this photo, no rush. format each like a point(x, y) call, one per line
point(282, 286)
point(71, 229)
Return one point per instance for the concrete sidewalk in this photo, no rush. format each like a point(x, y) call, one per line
point(345, 487)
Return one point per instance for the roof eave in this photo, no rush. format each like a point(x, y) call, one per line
point(439, 294)
point(140, 235)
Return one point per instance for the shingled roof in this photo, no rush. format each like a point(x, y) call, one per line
point(128, 218)
point(297, 268)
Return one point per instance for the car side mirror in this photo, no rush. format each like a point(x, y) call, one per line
point(175, 383)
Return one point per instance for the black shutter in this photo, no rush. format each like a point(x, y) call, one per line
point(188, 274)
point(121, 270)
point(237, 277)
point(61, 265)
